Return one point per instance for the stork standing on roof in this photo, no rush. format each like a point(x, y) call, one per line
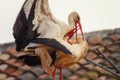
point(36, 30)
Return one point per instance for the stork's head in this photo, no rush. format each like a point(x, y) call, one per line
point(74, 23)
point(73, 18)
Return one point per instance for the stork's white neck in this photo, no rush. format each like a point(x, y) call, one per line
point(70, 21)
point(74, 16)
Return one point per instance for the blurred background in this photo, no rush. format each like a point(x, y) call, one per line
point(100, 21)
point(95, 14)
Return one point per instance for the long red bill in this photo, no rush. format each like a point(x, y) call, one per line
point(78, 24)
point(71, 33)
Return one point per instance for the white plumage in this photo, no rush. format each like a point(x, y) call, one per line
point(46, 23)
point(50, 28)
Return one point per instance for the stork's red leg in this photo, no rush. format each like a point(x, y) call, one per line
point(53, 73)
point(60, 73)
point(80, 26)
point(76, 27)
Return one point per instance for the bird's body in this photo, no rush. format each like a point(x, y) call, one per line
point(78, 51)
point(64, 58)
point(49, 41)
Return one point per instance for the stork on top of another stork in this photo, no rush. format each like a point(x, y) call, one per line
point(36, 30)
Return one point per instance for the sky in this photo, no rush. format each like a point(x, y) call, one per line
point(95, 14)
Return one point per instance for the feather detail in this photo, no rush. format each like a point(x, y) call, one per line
point(27, 7)
point(40, 12)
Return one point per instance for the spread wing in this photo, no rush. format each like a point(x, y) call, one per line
point(31, 22)
point(22, 29)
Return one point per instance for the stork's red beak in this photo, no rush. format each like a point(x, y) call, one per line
point(79, 26)
point(73, 31)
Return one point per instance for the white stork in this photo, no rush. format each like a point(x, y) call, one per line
point(36, 29)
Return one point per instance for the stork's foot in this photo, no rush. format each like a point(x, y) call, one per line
point(54, 72)
point(60, 76)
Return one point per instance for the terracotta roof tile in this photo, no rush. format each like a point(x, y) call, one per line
point(13, 69)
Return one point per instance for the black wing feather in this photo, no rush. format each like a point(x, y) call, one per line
point(52, 43)
point(22, 29)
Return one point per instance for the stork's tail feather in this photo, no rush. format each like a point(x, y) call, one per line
point(30, 60)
